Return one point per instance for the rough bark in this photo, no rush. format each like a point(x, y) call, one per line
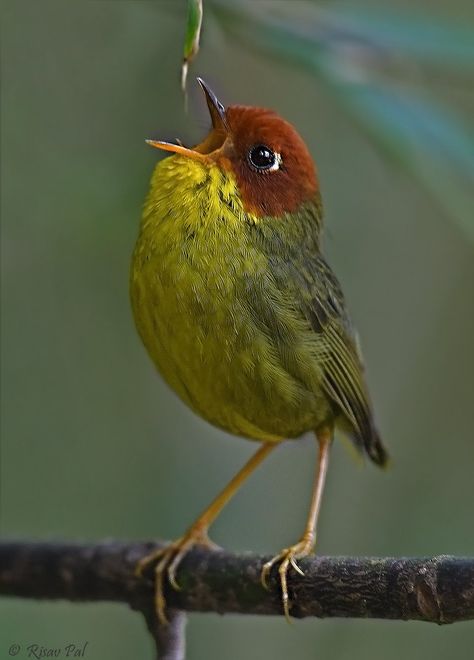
point(434, 589)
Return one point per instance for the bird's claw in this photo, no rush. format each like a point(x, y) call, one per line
point(167, 561)
point(148, 560)
point(286, 558)
point(296, 567)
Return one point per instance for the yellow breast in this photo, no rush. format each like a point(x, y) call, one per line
point(194, 275)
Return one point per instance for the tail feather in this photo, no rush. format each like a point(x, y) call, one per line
point(375, 449)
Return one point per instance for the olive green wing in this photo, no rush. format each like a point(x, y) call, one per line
point(298, 285)
point(343, 378)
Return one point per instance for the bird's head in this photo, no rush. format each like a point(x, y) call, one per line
point(269, 161)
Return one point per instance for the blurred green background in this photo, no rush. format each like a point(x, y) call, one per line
point(93, 443)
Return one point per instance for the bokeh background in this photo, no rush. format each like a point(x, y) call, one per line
point(93, 443)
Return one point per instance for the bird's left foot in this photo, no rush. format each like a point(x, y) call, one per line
point(167, 561)
point(286, 558)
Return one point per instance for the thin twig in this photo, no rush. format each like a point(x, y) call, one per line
point(170, 639)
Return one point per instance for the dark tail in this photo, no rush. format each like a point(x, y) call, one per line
point(375, 450)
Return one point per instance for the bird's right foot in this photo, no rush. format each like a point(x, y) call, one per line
point(167, 561)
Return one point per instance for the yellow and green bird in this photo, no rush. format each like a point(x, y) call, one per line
point(239, 310)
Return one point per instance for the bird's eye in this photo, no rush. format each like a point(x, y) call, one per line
point(263, 159)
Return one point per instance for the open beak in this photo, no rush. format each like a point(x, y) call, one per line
point(219, 123)
point(176, 148)
point(216, 109)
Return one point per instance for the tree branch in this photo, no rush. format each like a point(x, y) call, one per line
point(437, 589)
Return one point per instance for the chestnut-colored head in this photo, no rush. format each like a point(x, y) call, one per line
point(274, 171)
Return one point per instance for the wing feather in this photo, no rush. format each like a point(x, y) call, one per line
point(343, 371)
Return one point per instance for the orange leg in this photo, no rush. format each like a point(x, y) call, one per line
point(305, 545)
point(169, 558)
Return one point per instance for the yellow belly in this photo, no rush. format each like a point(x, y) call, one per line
point(196, 282)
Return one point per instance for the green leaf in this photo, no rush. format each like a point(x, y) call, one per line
point(425, 140)
point(191, 41)
point(410, 35)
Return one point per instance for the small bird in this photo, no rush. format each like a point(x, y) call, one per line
point(239, 311)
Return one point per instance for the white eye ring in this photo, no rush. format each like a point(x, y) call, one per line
point(263, 159)
point(276, 165)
